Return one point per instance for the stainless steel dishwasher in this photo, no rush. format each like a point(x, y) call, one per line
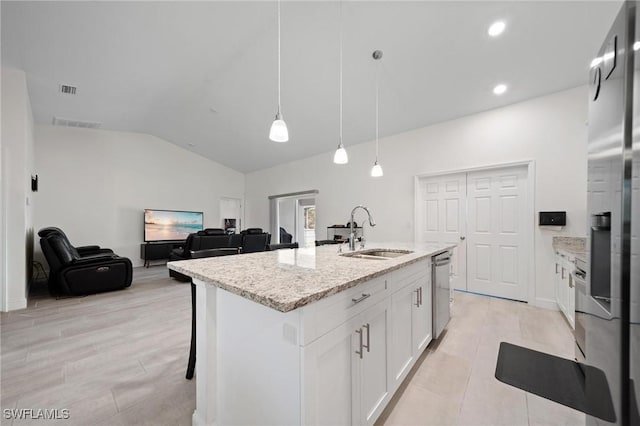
point(441, 284)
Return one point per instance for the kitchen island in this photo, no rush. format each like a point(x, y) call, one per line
point(308, 336)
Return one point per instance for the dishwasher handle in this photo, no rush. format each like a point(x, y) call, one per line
point(443, 262)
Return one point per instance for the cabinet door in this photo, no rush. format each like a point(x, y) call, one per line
point(422, 319)
point(571, 305)
point(329, 371)
point(557, 280)
point(373, 377)
point(401, 352)
point(562, 289)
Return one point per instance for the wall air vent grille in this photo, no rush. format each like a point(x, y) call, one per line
point(57, 121)
point(69, 90)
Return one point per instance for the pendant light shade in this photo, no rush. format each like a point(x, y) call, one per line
point(340, 157)
point(376, 170)
point(279, 131)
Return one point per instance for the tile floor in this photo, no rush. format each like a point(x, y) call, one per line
point(454, 383)
point(119, 359)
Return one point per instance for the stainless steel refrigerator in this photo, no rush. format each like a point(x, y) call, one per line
point(611, 305)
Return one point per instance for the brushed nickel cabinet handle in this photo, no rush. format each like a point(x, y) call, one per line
point(421, 296)
point(570, 281)
point(359, 331)
point(417, 297)
point(556, 268)
point(368, 345)
point(360, 299)
point(562, 273)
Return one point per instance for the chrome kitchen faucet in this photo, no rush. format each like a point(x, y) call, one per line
point(352, 235)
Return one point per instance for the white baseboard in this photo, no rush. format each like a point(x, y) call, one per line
point(546, 304)
point(15, 304)
point(196, 420)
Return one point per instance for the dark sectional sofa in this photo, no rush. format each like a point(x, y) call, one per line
point(209, 240)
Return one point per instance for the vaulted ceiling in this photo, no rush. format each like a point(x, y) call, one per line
point(203, 75)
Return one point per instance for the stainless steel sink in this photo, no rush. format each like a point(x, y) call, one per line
point(377, 254)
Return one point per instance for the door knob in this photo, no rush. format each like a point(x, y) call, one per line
point(462, 238)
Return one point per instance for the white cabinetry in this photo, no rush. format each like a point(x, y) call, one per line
point(565, 288)
point(345, 371)
point(337, 361)
point(351, 372)
point(411, 325)
point(371, 365)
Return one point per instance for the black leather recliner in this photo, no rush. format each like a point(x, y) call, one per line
point(255, 240)
point(76, 274)
point(285, 237)
point(211, 238)
point(199, 243)
point(82, 250)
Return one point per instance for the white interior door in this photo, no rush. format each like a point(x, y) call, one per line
point(441, 218)
point(498, 230)
point(231, 208)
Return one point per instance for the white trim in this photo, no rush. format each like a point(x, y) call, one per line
point(15, 304)
point(531, 179)
point(530, 239)
point(476, 169)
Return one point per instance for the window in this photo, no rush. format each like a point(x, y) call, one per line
point(310, 217)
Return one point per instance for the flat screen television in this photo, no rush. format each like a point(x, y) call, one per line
point(171, 225)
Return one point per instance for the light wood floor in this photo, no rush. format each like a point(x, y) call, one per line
point(119, 359)
point(115, 358)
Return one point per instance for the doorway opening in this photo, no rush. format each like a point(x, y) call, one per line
point(293, 218)
point(231, 214)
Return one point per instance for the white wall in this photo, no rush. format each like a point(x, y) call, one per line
point(95, 184)
point(550, 130)
point(16, 234)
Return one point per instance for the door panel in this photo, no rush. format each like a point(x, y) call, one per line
point(497, 233)
point(442, 218)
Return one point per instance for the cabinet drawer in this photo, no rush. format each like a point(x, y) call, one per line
point(404, 276)
point(323, 316)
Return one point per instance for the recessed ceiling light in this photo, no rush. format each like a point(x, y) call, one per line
point(500, 89)
point(496, 28)
point(636, 45)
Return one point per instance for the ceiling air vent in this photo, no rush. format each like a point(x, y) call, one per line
point(57, 121)
point(67, 89)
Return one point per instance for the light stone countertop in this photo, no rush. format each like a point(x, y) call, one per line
point(573, 245)
point(290, 278)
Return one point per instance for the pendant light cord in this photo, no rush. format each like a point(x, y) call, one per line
point(340, 73)
point(279, 88)
point(377, 105)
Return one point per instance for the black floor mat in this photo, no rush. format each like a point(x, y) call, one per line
point(558, 379)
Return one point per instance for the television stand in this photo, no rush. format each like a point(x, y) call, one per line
point(160, 250)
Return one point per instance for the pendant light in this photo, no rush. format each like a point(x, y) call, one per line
point(376, 170)
point(279, 131)
point(341, 157)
